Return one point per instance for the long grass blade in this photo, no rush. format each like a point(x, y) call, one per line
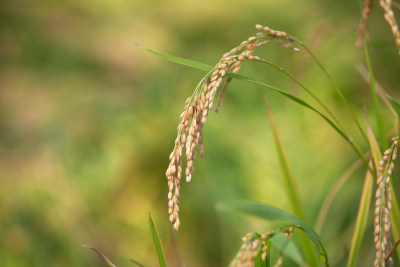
point(396, 106)
point(205, 67)
point(362, 217)
point(292, 191)
point(373, 144)
point(272, 213)
point(179, 60)
point(157, 243)
point(377, 106)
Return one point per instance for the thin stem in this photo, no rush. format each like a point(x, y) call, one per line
point(346, 136)
point(339, 92)
point(306, 89)
point(377, 106)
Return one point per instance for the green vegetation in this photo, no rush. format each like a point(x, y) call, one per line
point(89, 119)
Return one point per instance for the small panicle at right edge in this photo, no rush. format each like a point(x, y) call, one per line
point(389, 17)
point(382, 223)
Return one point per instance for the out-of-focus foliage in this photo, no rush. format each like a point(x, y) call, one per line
point(87, 121)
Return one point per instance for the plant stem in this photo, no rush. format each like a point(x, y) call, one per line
point(306, 89)
point(339, 92)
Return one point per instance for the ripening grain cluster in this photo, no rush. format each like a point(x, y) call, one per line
point(197, 107)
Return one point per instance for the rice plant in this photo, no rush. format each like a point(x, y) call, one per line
point(256, 248)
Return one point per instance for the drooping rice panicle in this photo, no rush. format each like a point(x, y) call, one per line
point(197, 107)
point(389, 17)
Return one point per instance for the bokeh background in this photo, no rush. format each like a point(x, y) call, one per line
point(88, 120)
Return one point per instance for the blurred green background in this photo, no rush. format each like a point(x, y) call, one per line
point(88, 121)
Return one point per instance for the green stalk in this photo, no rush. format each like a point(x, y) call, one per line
point(362, 218)
point(338, 91)
point(306, 89)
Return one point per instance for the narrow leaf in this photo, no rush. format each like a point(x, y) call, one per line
point(205, 67)
point(272, 213)
point(373, 144)
point(395, 104)
point(201, 66)
point(157, 242)
point(291, 187)
point(377, 106)
point(182, 61)
point(109, 263)
point(362, 217)
point(292, 190)
point(287, 246)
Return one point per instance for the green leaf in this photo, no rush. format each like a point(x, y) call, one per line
point(272, 213)
point(179, 60)
point(377, 106)
point(292, 191)
point(395, 104)
point(201, 66)
point(362, 217)
point(287, 246)
point(157, 242)
point(373, 144)
point(205, 67)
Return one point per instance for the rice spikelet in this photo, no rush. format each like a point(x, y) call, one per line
point(197, 107)
point(255, 244)
point(363, 26)
point(382, 223)
point(389, 17)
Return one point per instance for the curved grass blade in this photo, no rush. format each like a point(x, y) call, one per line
point(288, 247)
point(205, 67)
point(157, 242)
point(306, 89)
point(106, 260)
point(373, 144)
point(272, 213)
point(396, 106)
point(377, 106)
point(179, 60)
point(362, 217)
point(292, 189)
